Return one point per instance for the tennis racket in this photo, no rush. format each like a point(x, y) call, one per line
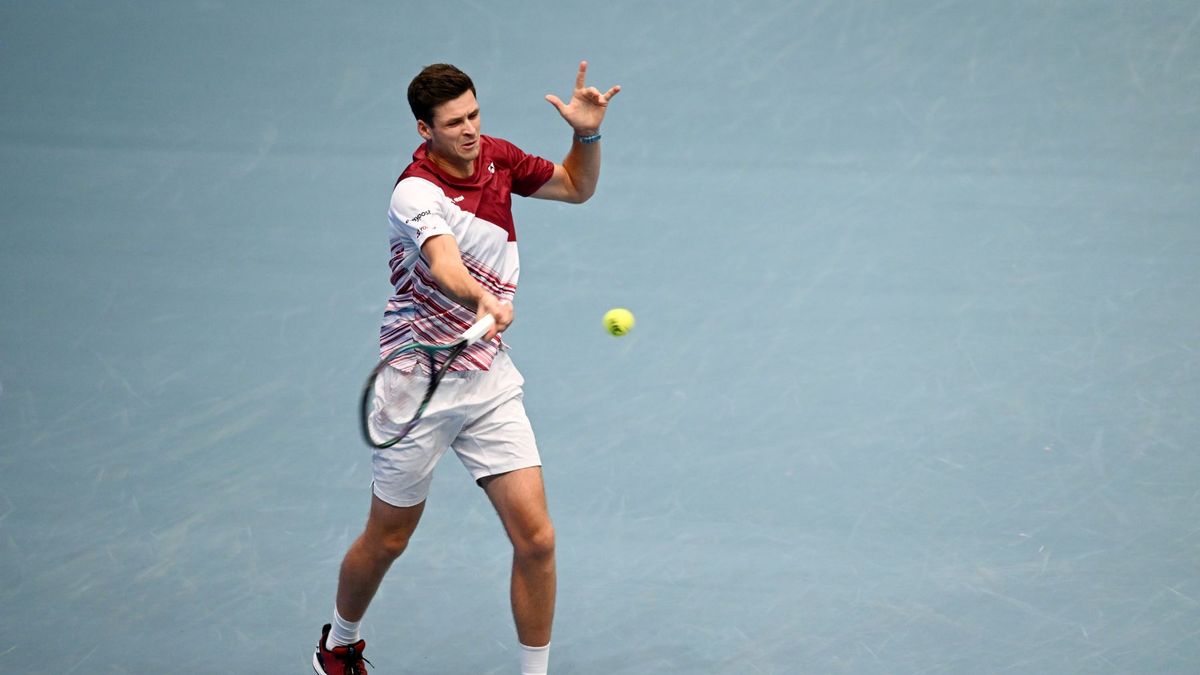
point(397, 406)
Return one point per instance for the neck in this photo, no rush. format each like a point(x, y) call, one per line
point(456, 169)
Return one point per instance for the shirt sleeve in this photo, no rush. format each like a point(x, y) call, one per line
point(529, 172)
point(417, 211)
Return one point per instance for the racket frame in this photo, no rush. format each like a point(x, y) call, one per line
point(453, 349)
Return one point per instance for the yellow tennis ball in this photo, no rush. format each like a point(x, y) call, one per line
point(618, 321)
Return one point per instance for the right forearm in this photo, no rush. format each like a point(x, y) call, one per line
point(445, 263)
point(455, 281)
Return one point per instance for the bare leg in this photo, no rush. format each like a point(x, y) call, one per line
point(520, 500)
point(383, 540)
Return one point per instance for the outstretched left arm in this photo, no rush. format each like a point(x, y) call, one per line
point(575, 179)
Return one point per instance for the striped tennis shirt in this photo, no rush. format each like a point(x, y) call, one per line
point(477, 212)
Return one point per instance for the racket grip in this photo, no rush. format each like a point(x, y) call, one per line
point(481, 327)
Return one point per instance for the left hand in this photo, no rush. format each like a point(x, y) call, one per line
point(586, 109)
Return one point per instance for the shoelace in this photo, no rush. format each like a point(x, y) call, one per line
point(352, 659)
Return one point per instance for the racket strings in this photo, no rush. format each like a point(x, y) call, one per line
point(393, 401)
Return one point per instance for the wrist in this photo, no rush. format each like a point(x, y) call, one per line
point(485, 302)
point(587, 138)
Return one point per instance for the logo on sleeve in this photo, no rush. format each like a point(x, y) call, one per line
point(415, 219)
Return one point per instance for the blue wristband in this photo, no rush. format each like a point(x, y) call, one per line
point(586, 140)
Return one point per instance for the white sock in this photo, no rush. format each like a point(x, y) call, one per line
point(535, 660)
point(343, 632)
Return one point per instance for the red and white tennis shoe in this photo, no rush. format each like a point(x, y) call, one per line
point(345, 660)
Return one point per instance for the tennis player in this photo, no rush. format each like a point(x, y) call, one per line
point(453, 205)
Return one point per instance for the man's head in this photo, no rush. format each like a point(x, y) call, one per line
point(434, 86)
point(442, 99)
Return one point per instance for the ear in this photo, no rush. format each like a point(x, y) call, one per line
point(424, 130)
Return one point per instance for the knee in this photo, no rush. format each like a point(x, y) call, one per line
point(537, 544)
point(391, 545)
point(385, 547)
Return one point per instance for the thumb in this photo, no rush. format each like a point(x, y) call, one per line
point(556, 102)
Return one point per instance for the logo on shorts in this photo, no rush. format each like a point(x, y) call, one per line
point(491, 167)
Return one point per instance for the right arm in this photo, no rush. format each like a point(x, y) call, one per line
point(452, 277)
point(416, 215)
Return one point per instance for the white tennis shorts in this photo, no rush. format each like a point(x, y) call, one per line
point(478, 414)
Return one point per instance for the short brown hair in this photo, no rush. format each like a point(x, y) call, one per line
point(435, 85)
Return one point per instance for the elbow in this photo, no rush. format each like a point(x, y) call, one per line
point(581, 195)
point(578, 188)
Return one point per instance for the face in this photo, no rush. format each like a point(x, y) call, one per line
point(454, 137)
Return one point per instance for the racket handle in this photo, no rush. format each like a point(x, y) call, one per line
point(481, 327)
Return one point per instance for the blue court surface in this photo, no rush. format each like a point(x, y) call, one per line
point(914, 386)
